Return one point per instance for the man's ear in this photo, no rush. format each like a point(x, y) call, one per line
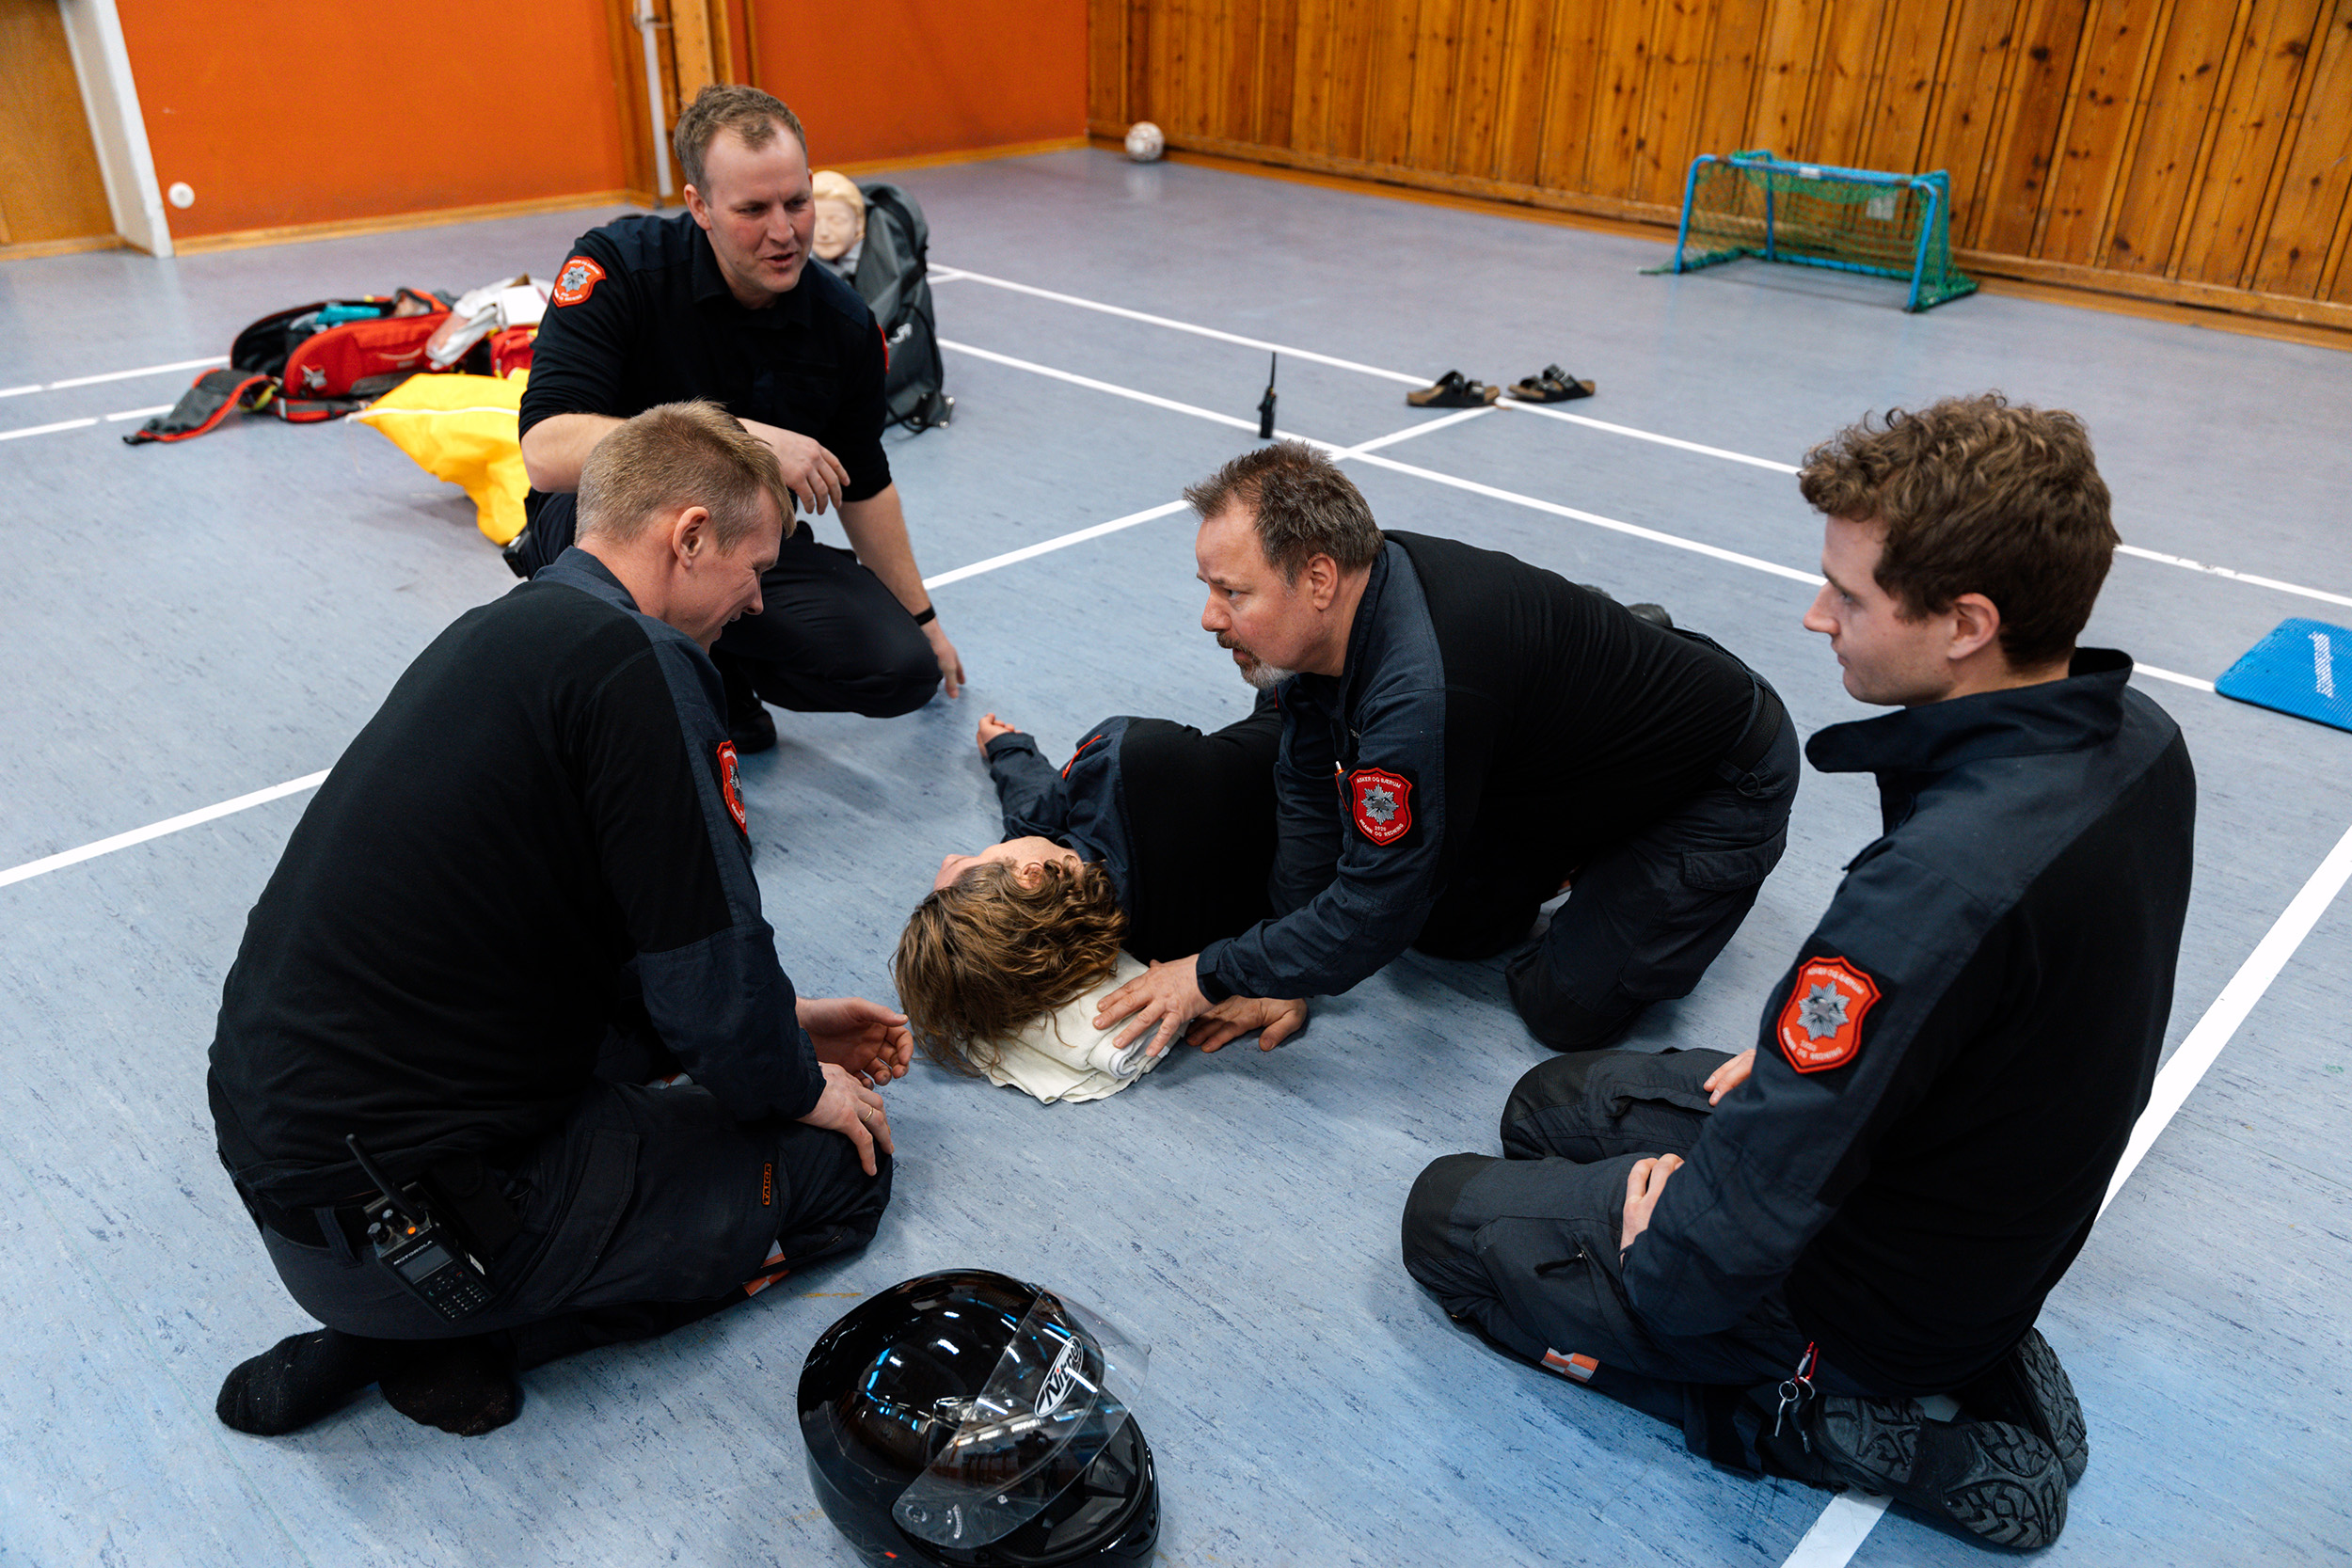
point(1976, 623)
point(698, 206)
point(689, 536)
point(1322, 581)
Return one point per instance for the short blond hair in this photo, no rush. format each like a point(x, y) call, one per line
point(829, 184)
point(680, 454)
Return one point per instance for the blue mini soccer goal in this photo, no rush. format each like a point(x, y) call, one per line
point(1853, 219)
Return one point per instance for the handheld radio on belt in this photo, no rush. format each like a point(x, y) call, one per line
point(424, 1254)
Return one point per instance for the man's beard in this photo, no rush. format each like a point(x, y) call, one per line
point(1264, 676)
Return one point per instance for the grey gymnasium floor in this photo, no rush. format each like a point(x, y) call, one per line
point(187, 626)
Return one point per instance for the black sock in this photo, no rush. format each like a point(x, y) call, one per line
point(298, 1380)
point(464, 1386)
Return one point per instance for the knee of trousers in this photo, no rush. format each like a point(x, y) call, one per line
point(1434, 1253)
point(1561, 1084)
point(1553, 1018)
point(846, 1219)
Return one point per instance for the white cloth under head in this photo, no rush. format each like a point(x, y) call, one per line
point(1064, 1057)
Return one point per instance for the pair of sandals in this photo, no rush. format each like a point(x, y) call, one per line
point(1454, 390)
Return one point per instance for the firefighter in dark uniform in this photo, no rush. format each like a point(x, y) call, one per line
point(1463, 734)
point(531, 872)
point(1782, 1251)
point(718, 302)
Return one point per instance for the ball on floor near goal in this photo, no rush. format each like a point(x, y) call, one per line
point(1144, 142)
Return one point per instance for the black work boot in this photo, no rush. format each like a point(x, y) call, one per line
point(2028, 1388)
point(1998, 1482)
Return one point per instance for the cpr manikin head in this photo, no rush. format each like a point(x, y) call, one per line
point(840, 216)
point(1005, 937)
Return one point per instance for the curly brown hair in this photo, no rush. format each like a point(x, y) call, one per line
point(990, 952)
point(1977, 496)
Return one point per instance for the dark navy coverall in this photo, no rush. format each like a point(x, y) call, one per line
point(1183, 821)
point(1496, 729)
point(1943, 1084)
point(532, 854)
point(656, 323)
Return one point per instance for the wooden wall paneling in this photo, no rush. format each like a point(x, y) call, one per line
point(1479, 82)
point(1792, 31)
point(1242, 62)
point(1526, 92)
point(1575, 85)
point(628, 95)
point(2307, 52)
point(692, 48)
point(1277, 72)
point(2246, 143)
point(1845, 83)
point(1611, 167)
point(2114, 59)
point(1389, 108)
point(1670, 107)
point(1913, 65)
point(1137, 44)
point(49, 172)
point(2027, 143)
point(1428, 141)
point(2180, 89)
point(1980, 39)
point(1352, 61)
point(1106, 63)
point(2310, 213)
point(1313, 84)
point(1727, 101)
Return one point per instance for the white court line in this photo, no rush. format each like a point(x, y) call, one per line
point(128, 375)
point(19, 391)
point(955, 274)
point(263, 797)
point(1364, 452)
point(158, 830)
point(142, 413)
point(1838, 1533)
point(45, 429)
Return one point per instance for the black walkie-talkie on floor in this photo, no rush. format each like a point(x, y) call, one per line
point(424, 1254)
point(1265, 404)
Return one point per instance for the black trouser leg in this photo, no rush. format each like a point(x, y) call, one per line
point(830, 638)
point(1647, 915)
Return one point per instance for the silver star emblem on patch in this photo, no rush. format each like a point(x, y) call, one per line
point(1822, 1012)
point(1379, 804)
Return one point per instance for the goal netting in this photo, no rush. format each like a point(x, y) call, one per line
point(1851, 219)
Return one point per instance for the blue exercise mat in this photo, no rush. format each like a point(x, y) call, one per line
point(2303, 668)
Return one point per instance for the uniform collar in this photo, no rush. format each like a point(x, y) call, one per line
point(2083, 709)
point(1359, 631)
point(576, 568)
point(790, 308)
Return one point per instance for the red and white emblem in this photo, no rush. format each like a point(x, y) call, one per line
point(1820, 1023)
point(1381, 803)
point(730, 786)
point(577, 281)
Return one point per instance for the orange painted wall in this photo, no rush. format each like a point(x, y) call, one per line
point(878, 79)
point(311, 111)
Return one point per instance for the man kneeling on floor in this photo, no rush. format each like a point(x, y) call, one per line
point(529, 878)
point(1784, 1251)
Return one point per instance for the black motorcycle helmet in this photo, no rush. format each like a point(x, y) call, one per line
point(969, 1421)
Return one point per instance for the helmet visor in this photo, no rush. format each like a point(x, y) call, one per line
point(1057, 1396)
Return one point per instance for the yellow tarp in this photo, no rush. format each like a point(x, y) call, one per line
point(461, 428)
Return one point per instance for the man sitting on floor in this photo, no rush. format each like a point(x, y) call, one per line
point(534, 857)
point(1872, 1203)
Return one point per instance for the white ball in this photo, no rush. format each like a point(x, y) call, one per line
point(1144, 142)
point(182, 194)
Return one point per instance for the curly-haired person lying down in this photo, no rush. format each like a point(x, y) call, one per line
point(1153, 840)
